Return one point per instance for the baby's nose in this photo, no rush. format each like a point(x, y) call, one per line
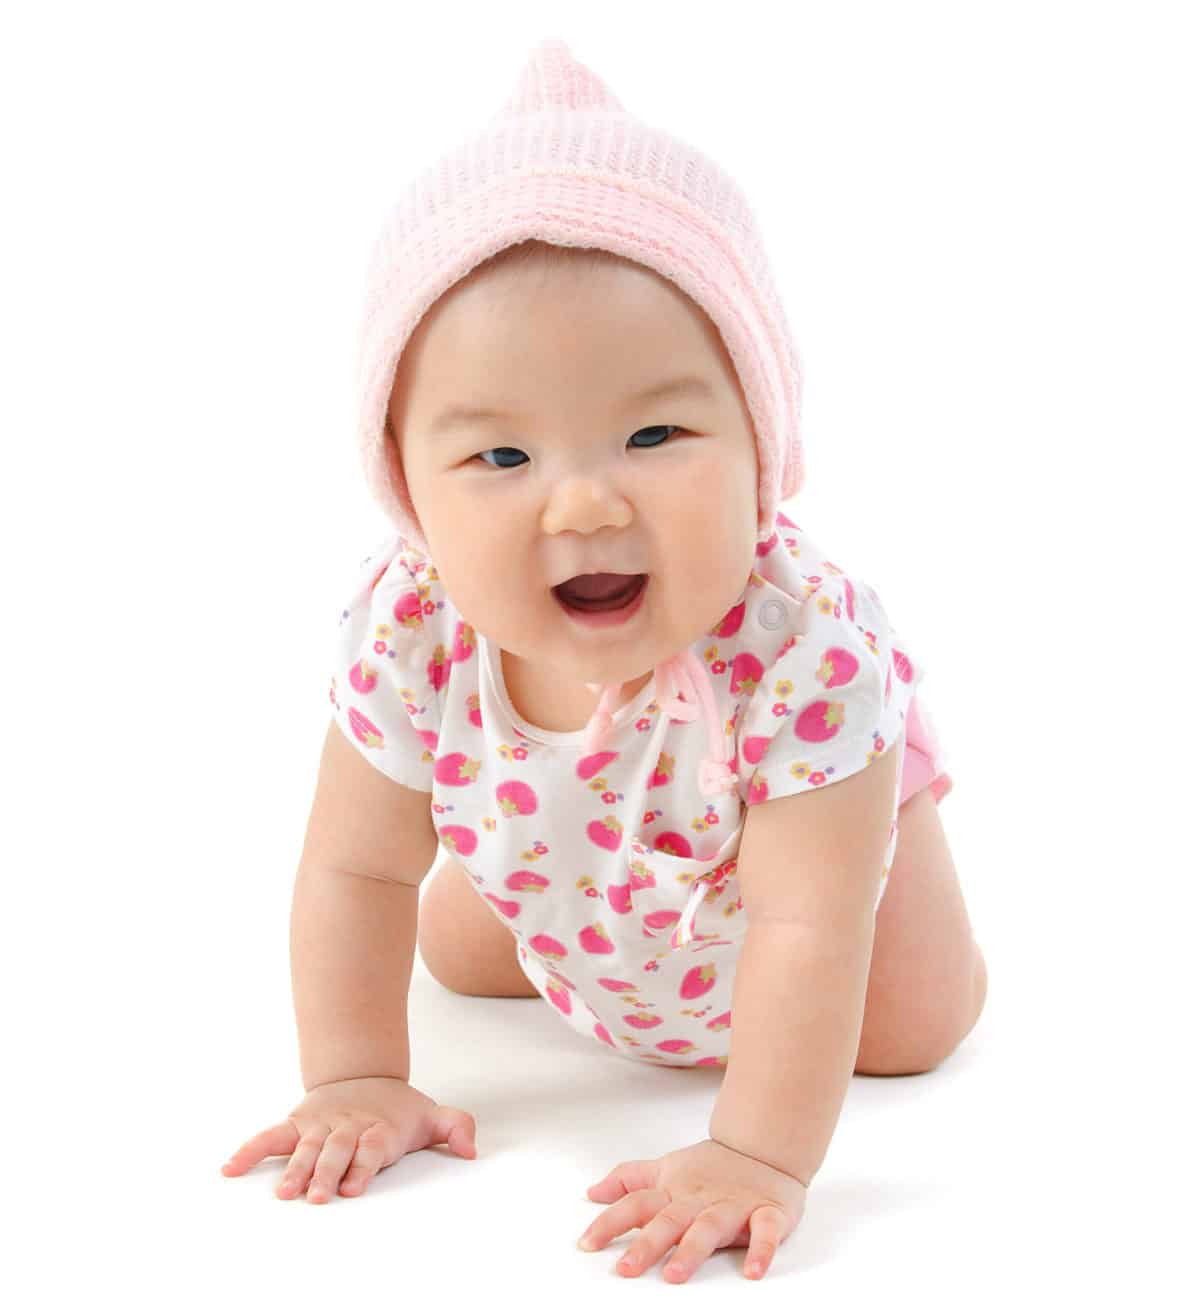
point(584, 503)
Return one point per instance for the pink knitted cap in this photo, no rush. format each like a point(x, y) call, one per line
point(563, 162)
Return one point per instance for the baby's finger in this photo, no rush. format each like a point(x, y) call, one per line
point(270, 1143)
point(295, 1178)
point(332, 1163)
point(369, 1157)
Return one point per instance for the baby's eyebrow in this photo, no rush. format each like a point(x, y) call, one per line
point(688, 384)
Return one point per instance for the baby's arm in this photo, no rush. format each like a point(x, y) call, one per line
point(369, 844)
point(809, 866)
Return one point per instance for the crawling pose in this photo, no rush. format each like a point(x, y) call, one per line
point(673, 746)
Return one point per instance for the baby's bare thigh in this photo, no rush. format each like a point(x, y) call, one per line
point(463, 943)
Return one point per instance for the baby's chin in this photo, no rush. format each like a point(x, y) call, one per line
point(623, 663)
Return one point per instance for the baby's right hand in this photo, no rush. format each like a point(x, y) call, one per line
point(364, 1124)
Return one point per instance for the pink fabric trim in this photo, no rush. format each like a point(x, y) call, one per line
point(923, 758)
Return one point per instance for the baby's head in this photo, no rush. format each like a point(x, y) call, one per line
point(554, 266)
point(581, 469)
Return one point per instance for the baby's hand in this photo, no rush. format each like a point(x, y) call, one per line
point(364, 1124)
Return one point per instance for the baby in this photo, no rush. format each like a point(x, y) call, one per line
point(674, 750)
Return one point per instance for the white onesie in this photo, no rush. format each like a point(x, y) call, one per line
point(616, 876)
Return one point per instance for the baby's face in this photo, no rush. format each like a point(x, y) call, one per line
point(577, 474)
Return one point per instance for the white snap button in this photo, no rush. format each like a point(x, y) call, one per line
point(771, 614)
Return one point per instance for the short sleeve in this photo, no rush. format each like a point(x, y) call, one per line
point(834, 698)
point(386, 675)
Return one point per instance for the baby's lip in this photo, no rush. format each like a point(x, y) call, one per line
point(587, 574)
point(617, 605)
point(600, 586)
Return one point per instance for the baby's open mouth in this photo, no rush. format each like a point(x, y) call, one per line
point(600, 592)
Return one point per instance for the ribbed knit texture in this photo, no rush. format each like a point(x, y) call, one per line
point(563, 162)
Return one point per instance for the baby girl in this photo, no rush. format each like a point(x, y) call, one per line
point(674, 748)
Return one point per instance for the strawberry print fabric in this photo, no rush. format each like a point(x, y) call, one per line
point(617, 879)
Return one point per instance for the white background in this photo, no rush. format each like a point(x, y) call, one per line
point(982, 218)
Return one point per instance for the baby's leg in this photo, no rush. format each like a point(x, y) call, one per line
point(928, 979)
point(462, 942)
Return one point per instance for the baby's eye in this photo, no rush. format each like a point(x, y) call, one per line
point(656, 428)
point(674, 428)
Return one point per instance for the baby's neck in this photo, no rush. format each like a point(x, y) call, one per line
point(553, 704)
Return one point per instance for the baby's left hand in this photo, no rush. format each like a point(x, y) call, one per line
point(702, 1198)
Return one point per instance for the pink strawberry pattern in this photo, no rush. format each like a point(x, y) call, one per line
point(617, 880)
